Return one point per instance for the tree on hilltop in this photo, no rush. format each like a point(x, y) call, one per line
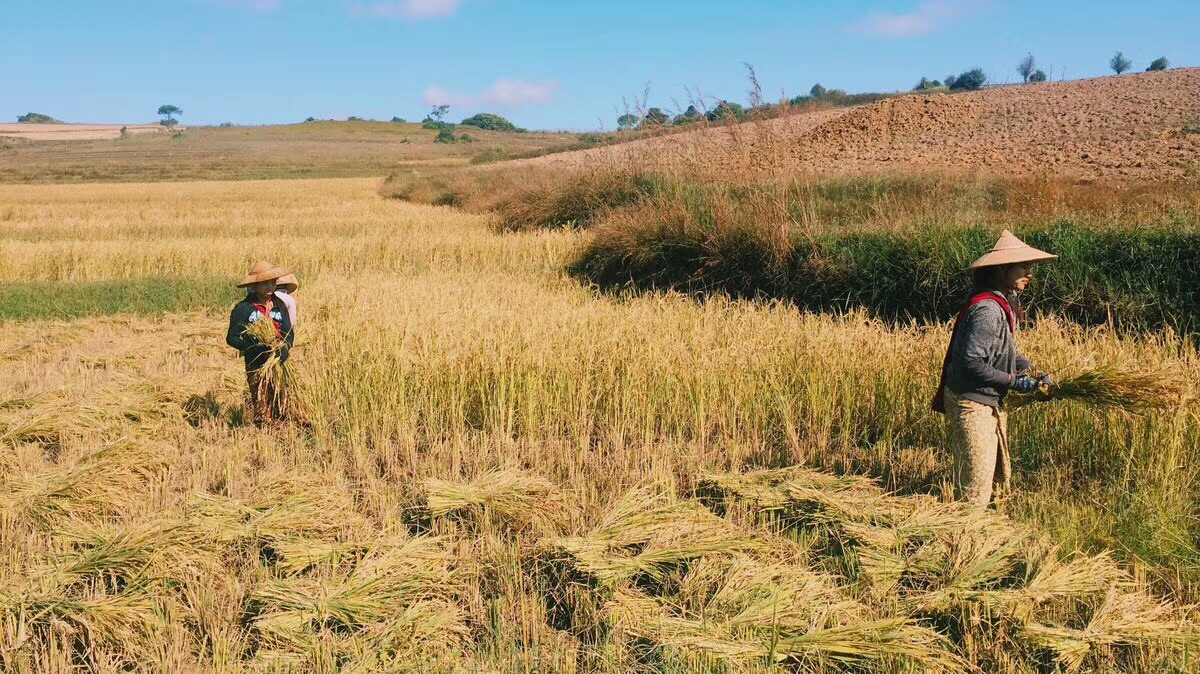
point(1119, 63)
point(817, 90)
point(656, 117)
point(925, 84)
point(490, 122)
point(36, 118)
point(724, 110)
point(689, 116)
point(1026, 67)
point(627, 121)
point(969, 80)
point(1160, 63)
point(168, 114)
point(1038, 76)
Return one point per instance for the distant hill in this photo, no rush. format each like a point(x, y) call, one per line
point(1143, 126)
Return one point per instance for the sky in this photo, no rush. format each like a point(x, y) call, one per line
point(544, 64)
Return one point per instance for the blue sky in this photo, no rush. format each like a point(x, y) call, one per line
point(544, 64)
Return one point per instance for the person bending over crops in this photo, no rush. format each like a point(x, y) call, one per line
point(261, 330)
point(983, 364)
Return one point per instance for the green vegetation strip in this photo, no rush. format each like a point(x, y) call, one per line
point(66, 300)
point(1131, 277)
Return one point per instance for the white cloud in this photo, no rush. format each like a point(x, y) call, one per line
point(407, 9)
point(922, 20)
point(505, 92)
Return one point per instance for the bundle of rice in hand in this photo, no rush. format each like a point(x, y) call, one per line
point(274, 380)
point(1110, 387)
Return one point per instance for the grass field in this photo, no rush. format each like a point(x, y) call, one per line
point(307, 150)
point(510, 472)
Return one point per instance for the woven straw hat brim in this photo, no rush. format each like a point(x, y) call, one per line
point(288, 283)
point(1003, 257)
point(1011, 250)
point(264, 275)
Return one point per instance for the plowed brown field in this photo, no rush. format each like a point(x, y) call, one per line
point(1126, 127)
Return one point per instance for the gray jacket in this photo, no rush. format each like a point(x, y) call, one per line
point(984, 357)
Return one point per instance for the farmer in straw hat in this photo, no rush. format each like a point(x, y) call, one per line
point(261, 304)
point(286, 288)
point(982, 364)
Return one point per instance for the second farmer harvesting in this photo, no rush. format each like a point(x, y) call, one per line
point(983, 364)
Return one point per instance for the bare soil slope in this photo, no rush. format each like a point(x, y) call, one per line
point(1137, 127)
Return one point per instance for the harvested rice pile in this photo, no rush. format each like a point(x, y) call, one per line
point(794, 567)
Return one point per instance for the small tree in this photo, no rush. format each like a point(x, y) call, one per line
point(1160, 63)
point(36, 118)
point(656, 117)
point(446, 135)
point(926, 84)
point(489, 122)
point(1119, 63)
point(627, 121)
point(438, 112)
point(1026, 67)
point(688, 116)
point(726, 111)
point(817, 90)
point(311, 119)
point(967, 81)
point(1038, 76)
point(168, 114)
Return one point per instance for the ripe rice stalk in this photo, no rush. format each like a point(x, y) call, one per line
point(645, 533)
point(284, 507)
point(1111, 387)
point(515, 497)
point(852, 645)
point(1123, 619)
point(122, 623)
point(100, 483)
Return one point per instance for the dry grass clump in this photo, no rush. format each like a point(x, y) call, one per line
point(1112, 388)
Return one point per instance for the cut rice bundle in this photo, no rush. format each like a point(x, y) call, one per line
point(1110, 387)
point(514, 497)
point(276, 383)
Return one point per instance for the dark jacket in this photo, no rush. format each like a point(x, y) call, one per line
point(984, 356)
point(254, 352)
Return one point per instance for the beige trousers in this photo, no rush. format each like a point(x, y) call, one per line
point(979, 442)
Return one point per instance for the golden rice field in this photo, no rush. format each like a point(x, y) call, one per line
point(508, 472)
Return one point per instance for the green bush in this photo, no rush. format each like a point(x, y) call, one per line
point(1038, 76)
point(1160, 63)
point(489, 122)
point(436, 125)
point(726, 111)
point(969, 80)
point(36, 118)
point(446, 135)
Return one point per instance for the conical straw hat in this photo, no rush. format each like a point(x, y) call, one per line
point(263, 271)
point(288, 283)
point(1011, 250)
